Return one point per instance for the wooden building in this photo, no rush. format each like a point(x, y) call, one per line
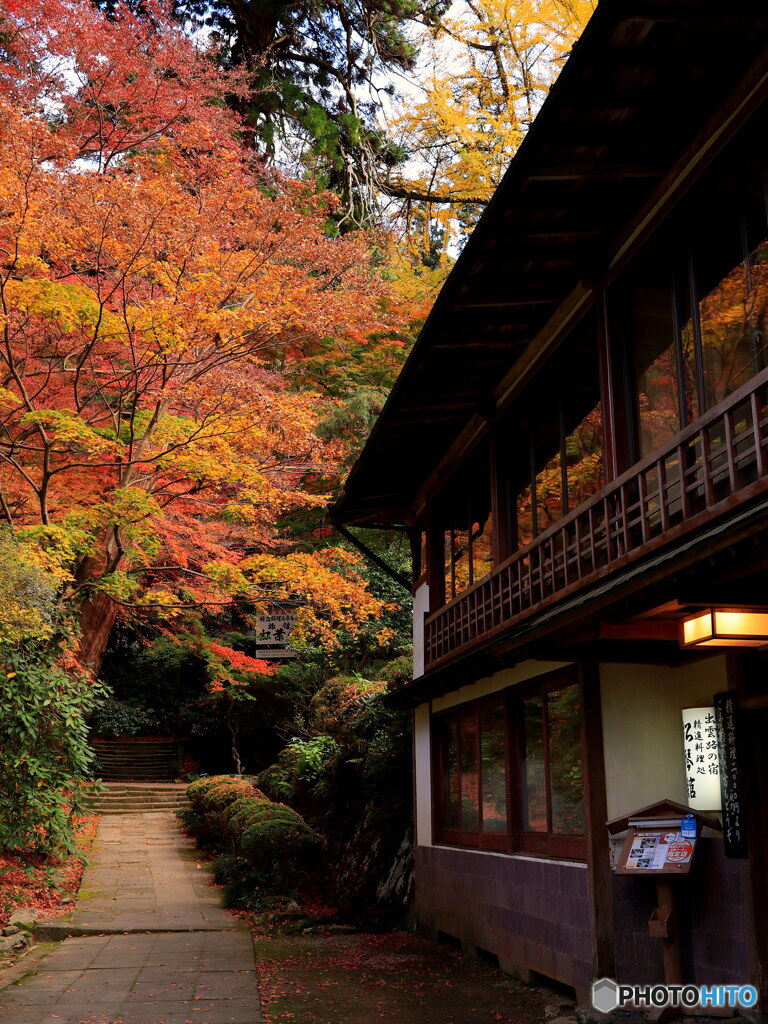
point(578, 447)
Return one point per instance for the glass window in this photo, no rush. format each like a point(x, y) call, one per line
point(585, 464)
point(565, 761)
point(472, 771)
point(482, 548)
point(549, 494)
point(524, 503)
point(470, 790)
point(465, 512)
point(652, 328)
point(493, 768)
point(541, 808)
point(731, 319)
point(462, 561)
point(534, 767)
point(450, 589)
point(450, 771)
point(757, 310)
point(562, 418)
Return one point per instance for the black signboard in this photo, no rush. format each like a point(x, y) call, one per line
point(734, 825)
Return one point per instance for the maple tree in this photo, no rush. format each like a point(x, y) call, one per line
point(156, 285)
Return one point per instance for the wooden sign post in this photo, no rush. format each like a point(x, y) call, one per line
point(656, 846)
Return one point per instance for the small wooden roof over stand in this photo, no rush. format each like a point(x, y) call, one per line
point(664, 809)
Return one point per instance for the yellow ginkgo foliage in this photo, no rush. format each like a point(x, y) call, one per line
point(487, 68)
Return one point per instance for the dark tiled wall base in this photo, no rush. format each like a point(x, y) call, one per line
point(713, 921)
point(533, 914)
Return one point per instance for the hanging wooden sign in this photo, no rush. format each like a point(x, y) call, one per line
point(734, 825)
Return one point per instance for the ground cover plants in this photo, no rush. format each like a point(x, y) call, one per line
point(41, 883)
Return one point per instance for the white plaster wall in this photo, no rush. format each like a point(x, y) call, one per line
point(498, 681)
point(420, 608)
point(642, 728)
point(423, 770)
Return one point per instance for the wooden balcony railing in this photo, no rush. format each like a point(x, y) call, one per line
point(716, 463)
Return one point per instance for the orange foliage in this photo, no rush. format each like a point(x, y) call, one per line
point(157, 288)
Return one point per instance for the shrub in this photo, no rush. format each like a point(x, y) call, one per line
point(266, 812)
point(239, 815)
point(190, 820)
point(44, 744)
point(196, 789)
point(226, 869)
point(214, 799)
point(279, 780)
point(113, 718)
point(251, 812)
point(280, 849)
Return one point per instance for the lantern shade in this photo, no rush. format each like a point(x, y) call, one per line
point(725, 627)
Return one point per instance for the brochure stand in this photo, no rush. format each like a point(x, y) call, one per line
point(661, 843)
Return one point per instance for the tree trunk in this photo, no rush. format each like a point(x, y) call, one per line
point(97, 617)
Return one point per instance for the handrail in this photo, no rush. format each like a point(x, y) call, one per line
point(659, 497)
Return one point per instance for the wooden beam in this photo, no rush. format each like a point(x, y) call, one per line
point(508, 303)
point(590, 170)
point(640, 629)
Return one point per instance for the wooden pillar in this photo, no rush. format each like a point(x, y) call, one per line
point(596, 812)
point(435, 567)
point(617, 429)
point(748, 676)
point(502, 507)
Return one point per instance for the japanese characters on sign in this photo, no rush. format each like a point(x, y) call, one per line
point(274, 629)
point(702, 760)
point(664, 850)
point(734, 831)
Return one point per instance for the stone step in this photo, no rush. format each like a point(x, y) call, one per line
point(126, 758)
point(143, 787)
point(135, 776)
point(123, 802)
point(148, 809)
point(145, 765)
point(136, 796)
point(149, 788)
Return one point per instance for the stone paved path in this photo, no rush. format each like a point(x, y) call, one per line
point(151, 944)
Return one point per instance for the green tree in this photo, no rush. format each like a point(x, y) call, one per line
point(317, 73)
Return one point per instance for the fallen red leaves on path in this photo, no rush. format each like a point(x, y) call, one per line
point(36, 881)
point(362, 978)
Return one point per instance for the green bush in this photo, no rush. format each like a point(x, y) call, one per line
point(215, 799)
point(268, 844)
point(239, 815)
point(249, 812)
point(196, 789)
point(280, 849)
point(279, 780)
point(190, 820)
point(44, 744)
point(227, 869)
point(113, 718)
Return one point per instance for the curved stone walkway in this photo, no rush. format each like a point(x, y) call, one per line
point(148, 942)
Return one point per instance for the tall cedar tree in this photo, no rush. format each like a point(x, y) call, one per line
point(318, 72)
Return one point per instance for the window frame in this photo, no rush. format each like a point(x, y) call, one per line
point(515, 839)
